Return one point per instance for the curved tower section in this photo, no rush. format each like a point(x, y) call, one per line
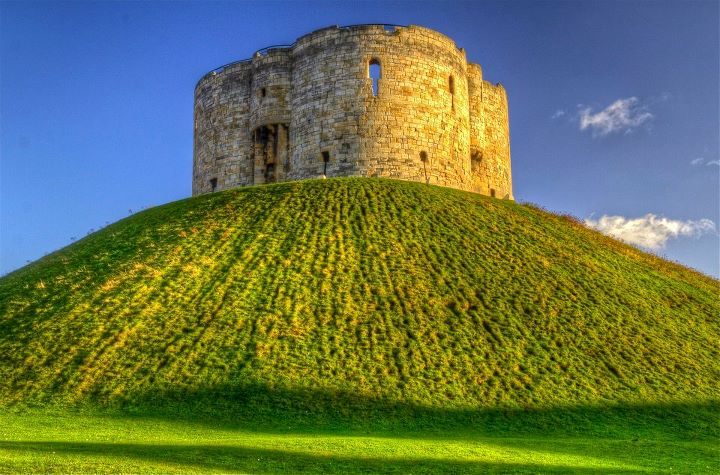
point(270, 113)
point(489, 136)
point(223, 142)
point(366, 100)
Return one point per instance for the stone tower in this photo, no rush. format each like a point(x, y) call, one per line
point(366, 100)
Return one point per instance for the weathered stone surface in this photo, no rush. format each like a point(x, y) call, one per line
point(309, 110)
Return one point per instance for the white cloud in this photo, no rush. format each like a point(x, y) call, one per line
point(649, 231)
point(558, 113)
point(701, 160)
point(623, 115)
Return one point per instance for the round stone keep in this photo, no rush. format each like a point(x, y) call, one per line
point(367, 100)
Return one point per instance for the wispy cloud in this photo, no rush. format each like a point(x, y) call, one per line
point(701, 160)
point(558, 113)
point(623, 115)
point(649, 231)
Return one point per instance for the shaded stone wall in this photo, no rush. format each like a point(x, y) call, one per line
point(310, 110)
point(223, 140)
point(270, 115)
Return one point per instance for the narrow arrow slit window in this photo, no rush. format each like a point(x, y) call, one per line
point(374, 74)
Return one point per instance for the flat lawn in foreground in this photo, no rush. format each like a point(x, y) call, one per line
point(69, 441)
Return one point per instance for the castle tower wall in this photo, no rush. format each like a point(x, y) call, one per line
point(270, 89)
point(312, 110)
point(222, 143)
point(327, 81)
point(495, 167)
point(477, 129)
point(489, 136)
point(270, 114)
point(416, 128)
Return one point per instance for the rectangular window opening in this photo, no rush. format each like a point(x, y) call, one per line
point(374, 74)
point(451, 89)
point(326, 159)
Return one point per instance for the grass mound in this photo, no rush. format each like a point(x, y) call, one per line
point(296, 295)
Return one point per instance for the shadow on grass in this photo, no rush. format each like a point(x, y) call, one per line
point(228, 458)
point(272, 410)
point(651, 437)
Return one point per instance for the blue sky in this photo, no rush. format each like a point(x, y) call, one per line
point(613, 107)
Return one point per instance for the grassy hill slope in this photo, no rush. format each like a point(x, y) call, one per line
point(362, 289)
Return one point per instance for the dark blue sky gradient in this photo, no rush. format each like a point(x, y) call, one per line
point(96, 103)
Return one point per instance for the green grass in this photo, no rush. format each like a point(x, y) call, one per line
point(332, 325)
point(607, 440)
